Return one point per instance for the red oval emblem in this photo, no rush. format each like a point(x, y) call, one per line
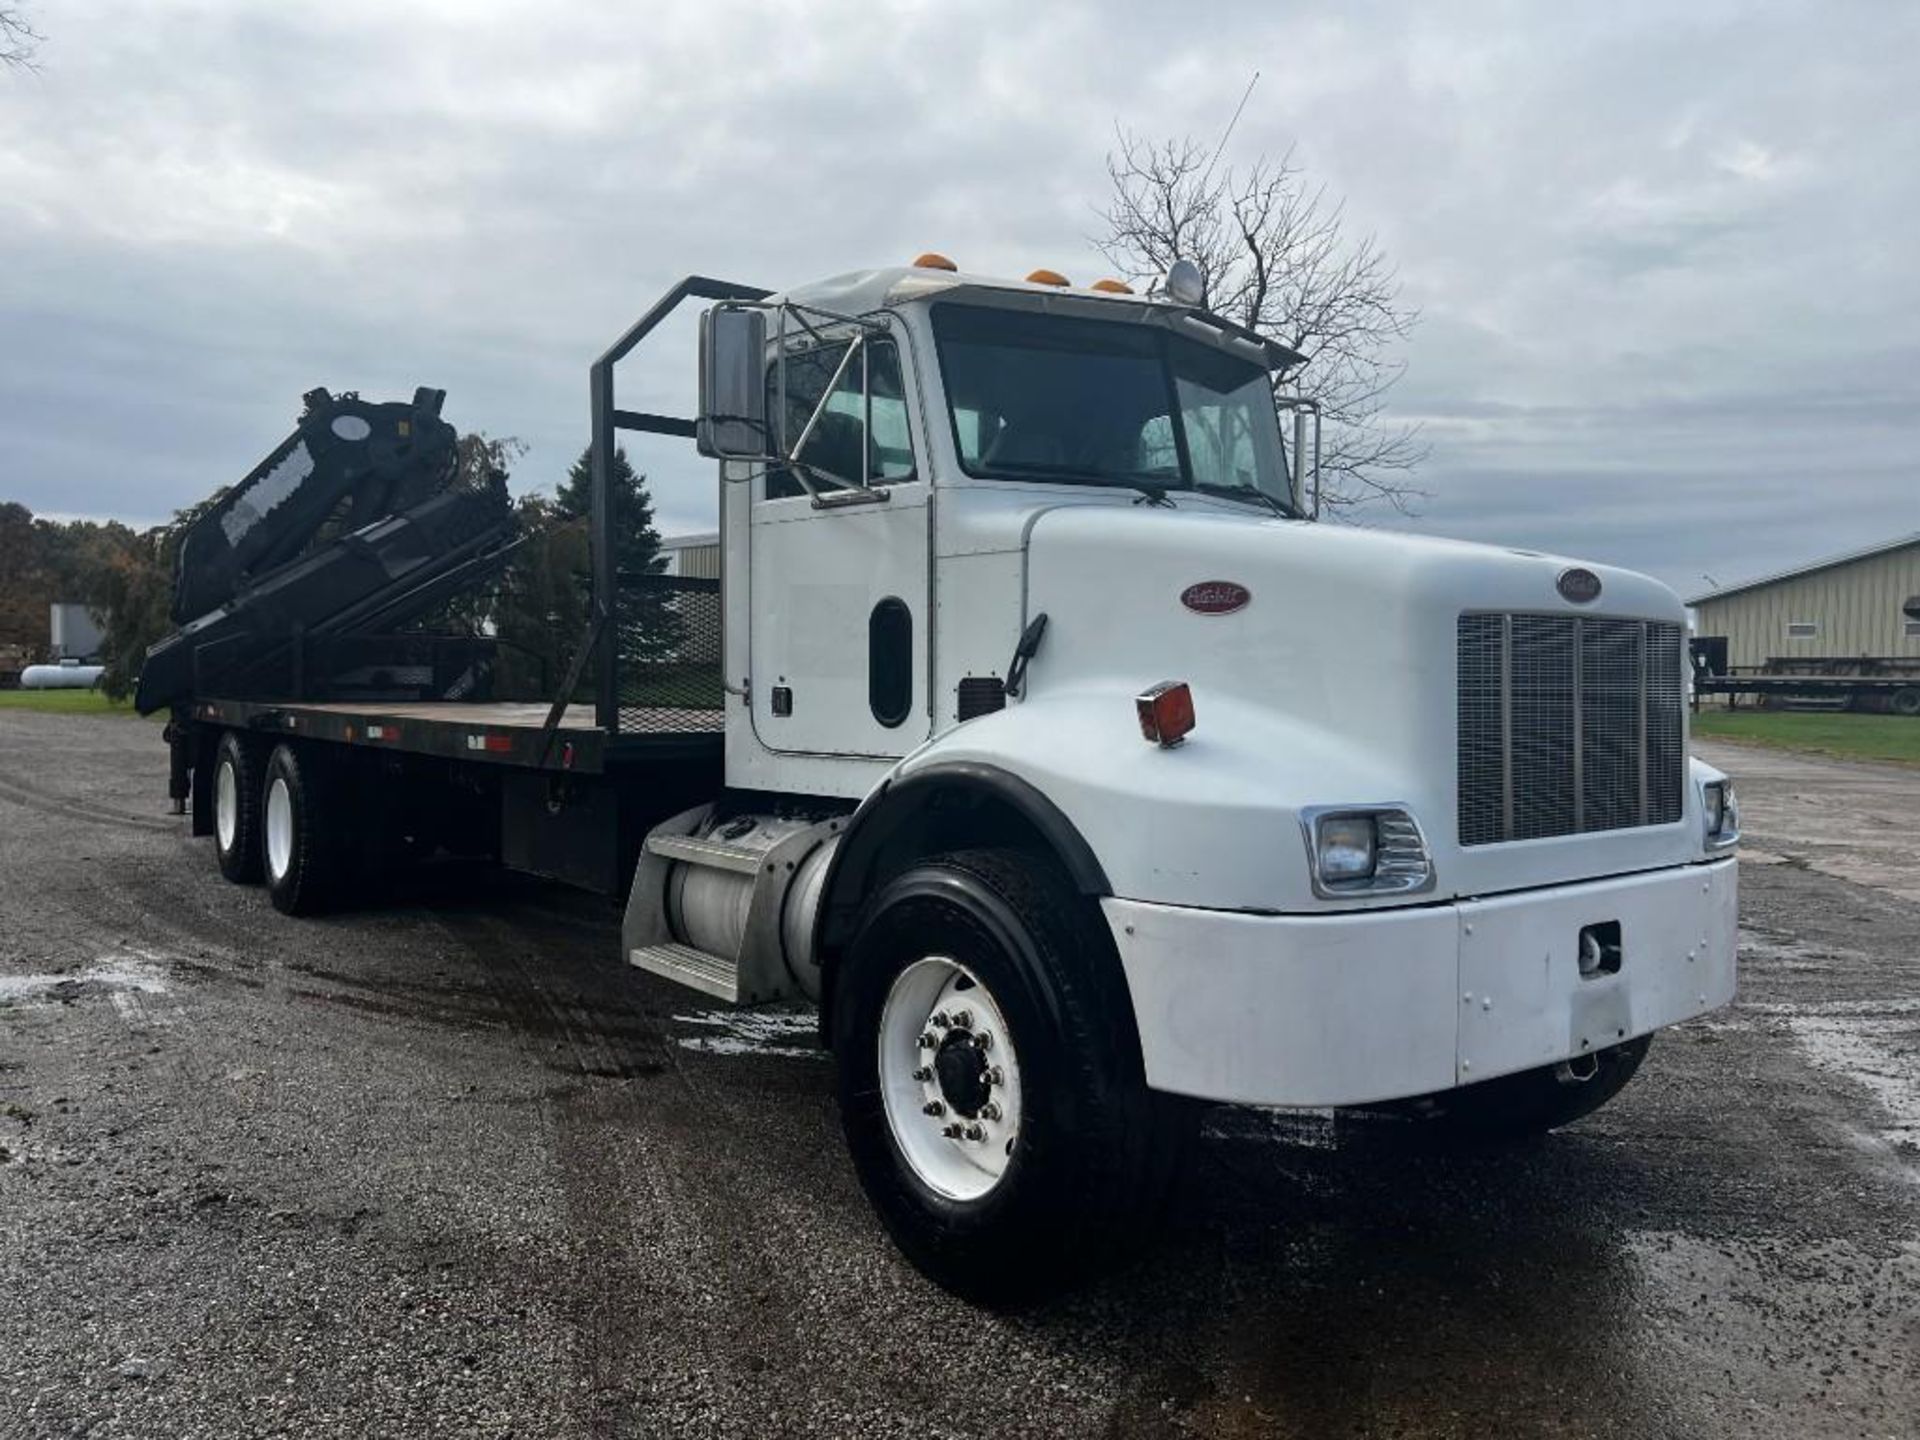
point(1216, 597)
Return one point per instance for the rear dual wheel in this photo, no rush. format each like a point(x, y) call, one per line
point(236, 808)
point(302, 846)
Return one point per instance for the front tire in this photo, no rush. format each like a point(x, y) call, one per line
point(301, 843)
point(990, 1078)
point(236, 809)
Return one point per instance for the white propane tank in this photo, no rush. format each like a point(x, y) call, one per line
point(67, 675)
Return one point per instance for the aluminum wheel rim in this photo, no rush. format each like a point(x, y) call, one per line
point(226, 805)
point(279, 827)
point(949, 1078)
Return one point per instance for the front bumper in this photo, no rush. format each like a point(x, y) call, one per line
point(1365, 1006)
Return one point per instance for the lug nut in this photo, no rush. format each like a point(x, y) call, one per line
point(925, 1072)
point(940, 1020)
point(994, 1076)
point(963, 1019)
point(976, 1132)
point(990, 1111)
point(933, 1107)
point(984, 1040)
point(952, 1132)
point(928, 1040)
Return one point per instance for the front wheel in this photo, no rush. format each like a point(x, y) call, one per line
point(990, 1078)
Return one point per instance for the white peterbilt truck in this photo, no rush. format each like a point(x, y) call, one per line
point(1048, 745)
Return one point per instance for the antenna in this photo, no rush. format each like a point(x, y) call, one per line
point(1245, 96)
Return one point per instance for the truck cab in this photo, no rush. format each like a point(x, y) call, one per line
point(1079, 775)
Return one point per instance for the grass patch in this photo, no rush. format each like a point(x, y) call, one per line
point(1845, 736)
point(65, 702)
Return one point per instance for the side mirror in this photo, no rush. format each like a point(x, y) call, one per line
point(1306, 484)
point(733, 387)
point(1305, 459)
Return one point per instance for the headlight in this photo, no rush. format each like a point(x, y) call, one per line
point(1721, 813)
point(1365, 850)
point(1346, 847)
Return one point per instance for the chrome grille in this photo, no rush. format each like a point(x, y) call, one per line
point(1568, 724)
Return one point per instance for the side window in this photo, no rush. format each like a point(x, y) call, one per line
point(841, 445)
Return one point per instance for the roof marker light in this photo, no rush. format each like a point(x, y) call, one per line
point(1112, 287)
point(1047, 277)
point(933, 260)
point(1166, 712)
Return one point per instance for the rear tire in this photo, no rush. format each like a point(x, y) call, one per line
point(236, 809)
point(1533, 1102)
point(1905, 701)
point(300, 842)
point(999, 943)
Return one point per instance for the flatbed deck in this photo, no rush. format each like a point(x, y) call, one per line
point(510, 733)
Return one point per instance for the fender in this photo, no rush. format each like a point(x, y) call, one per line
point(903, 801)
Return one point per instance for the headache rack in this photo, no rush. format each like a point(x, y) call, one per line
point(652, 641)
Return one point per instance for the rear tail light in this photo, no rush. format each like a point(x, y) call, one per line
point(1166, 712)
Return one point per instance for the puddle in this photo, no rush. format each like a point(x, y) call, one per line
point(754, 1032)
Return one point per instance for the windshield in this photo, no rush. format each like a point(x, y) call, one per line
point(1092, 402)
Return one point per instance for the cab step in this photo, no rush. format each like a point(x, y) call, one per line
point(695, 850)
point(713, 975)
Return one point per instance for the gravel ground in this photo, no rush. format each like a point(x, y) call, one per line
point(445, 1167)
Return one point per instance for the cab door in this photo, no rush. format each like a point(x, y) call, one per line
point(839, 604)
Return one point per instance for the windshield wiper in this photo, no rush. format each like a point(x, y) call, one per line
point(1150, 493)
point(1248, 492)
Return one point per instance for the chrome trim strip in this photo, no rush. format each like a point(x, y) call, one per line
point(1506, 727)
point(1579, 727)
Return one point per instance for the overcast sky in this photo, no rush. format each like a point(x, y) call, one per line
point(1664, 254)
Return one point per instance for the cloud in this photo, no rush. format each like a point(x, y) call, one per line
point(1662, 256)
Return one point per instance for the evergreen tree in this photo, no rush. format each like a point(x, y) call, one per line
point(636, 543)
point(648, 627)
point(540, 608)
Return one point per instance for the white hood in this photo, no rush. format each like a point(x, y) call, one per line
point(1337, 683)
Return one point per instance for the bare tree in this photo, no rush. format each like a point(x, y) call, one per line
point(18, 40)
point(1274, 258)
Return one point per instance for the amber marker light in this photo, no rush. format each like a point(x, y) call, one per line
point(932, 260)
point(1166, 712)
point(1047, 277)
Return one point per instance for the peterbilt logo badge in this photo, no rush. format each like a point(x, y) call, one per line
point(1579, 585)
point(1216, 597)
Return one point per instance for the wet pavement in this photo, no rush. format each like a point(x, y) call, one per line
point(445, 1167)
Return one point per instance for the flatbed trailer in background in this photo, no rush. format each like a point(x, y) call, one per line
point(1842, 682)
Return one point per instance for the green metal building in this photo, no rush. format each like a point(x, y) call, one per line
point(1866, 603)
